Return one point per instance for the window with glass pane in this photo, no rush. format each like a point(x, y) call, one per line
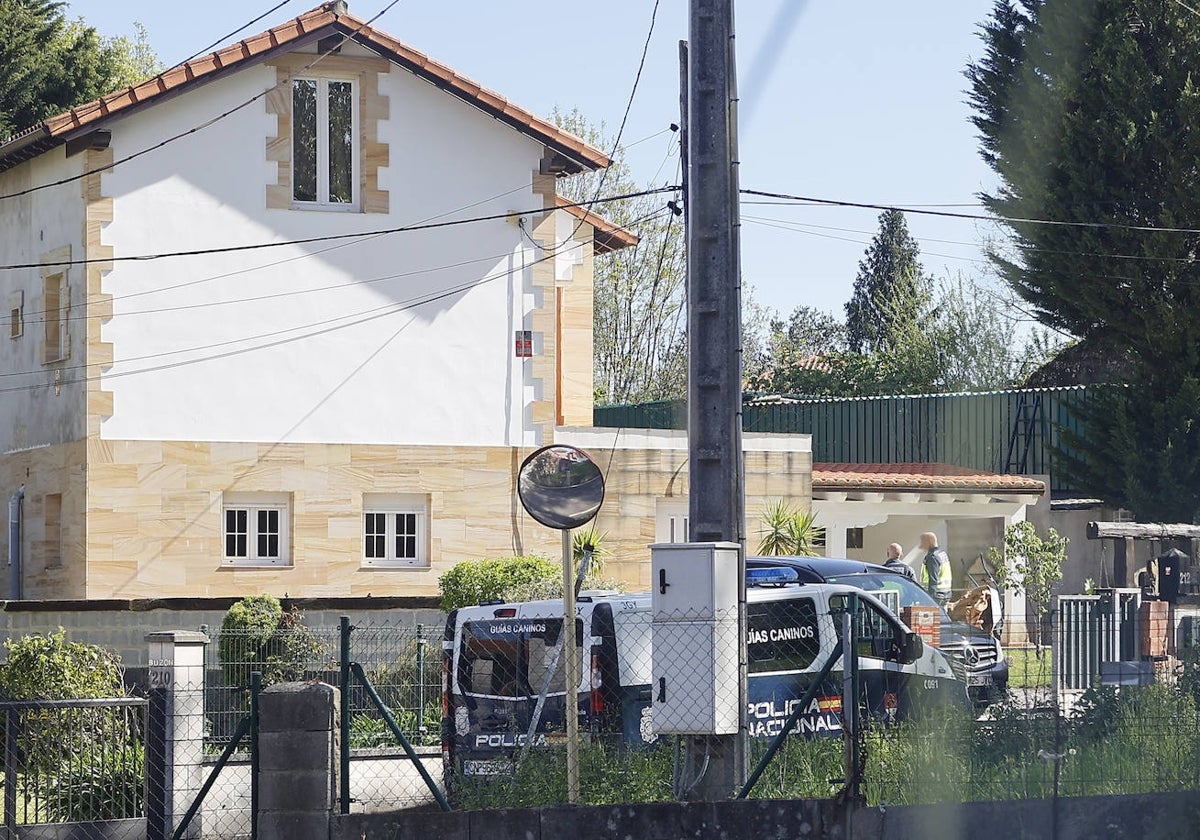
point(877, 634)
point(394, 534)
point(375, 536)
point(235, 533)
point(324, 142)
point(406, 536)
point(268, 533)
point(304, 140)
point(256, 534)
point(341, 143)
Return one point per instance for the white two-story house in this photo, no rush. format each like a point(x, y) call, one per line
point(288, 317)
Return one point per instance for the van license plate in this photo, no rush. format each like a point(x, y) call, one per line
point(486, 768)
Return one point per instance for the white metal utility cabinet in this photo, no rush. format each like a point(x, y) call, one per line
point(694, 591)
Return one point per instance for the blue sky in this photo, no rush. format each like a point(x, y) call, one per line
point(858, 100)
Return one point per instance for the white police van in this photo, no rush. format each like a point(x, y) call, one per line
point(499, 658)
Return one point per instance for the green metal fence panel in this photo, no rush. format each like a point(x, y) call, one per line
point(997, 431)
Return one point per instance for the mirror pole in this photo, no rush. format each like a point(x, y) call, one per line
point(571, 669)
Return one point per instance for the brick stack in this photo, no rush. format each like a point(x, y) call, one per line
point(1153, 628)
point(925, 622)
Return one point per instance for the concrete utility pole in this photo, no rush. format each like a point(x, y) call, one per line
point(716, 501)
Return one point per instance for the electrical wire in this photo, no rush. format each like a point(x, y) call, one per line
point(228, 35)
point(1180, 282)
point(90, 108)
point(974, 216)
point(1024, 249)
point(272, 296)
point(227, 249)
point(637, 78)
point(1012, 304)
point(524, 187)
point(1186, 6)
point(319, 328)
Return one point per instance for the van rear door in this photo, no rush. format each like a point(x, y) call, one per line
point(501, 665)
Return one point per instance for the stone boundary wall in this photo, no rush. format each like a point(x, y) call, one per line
point(1164, 816)
point(121, 625)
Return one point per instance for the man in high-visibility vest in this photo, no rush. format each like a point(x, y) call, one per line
point(935, 569)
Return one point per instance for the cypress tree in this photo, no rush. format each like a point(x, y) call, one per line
point(890, 291)
point(1087, 111)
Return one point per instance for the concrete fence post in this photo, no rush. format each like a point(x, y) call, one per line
point(298, 752)
point(174, 730)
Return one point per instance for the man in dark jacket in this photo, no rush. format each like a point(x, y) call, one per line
point(893, 561)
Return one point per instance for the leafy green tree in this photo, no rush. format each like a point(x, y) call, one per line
point(1031, 564)
point(1140, 443)
point(133, 60)
point(49, 64)
point(890, 290)
point(1087, 111)
point(48, 667)
point(257, 634)
point(79, 763)
point(639, 340)
point(801, 342)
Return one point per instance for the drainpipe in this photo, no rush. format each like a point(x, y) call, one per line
point(14, 543)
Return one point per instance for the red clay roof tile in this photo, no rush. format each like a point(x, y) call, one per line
point(607, 236)
point(916, 476)
point(577, 154)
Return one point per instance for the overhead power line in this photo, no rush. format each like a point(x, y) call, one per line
point(320, 327)
point(982, 217)
point(228, 35)
point(332, 237)
point(637, 78)
point(802, 227)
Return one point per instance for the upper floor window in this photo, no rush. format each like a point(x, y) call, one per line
point(325, 142)
point(56, 301)
point(16, 314)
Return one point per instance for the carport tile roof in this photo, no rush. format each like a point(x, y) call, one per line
point(919, 477)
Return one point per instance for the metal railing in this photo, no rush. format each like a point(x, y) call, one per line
point(74, 761)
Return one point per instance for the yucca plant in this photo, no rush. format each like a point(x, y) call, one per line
point(589, 537)
point(789, 530)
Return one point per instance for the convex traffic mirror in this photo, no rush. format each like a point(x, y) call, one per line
point(561, 487)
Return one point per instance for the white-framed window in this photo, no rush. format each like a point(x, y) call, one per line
point(256, 529)
point(325, 143)
point(395, 530)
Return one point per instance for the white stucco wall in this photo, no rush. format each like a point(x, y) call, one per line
point(31, 413)
point(326, 342)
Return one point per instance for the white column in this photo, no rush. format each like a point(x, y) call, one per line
point(177, 668)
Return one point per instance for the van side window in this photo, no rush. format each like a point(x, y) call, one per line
point(877, 635)
point(781, 635)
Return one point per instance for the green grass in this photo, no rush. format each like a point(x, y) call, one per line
point(1028, 669)
point(1136, 741)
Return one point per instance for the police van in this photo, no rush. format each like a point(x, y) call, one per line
point(503, 665)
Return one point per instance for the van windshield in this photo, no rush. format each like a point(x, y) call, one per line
point(511, 657)
point(911, 595)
